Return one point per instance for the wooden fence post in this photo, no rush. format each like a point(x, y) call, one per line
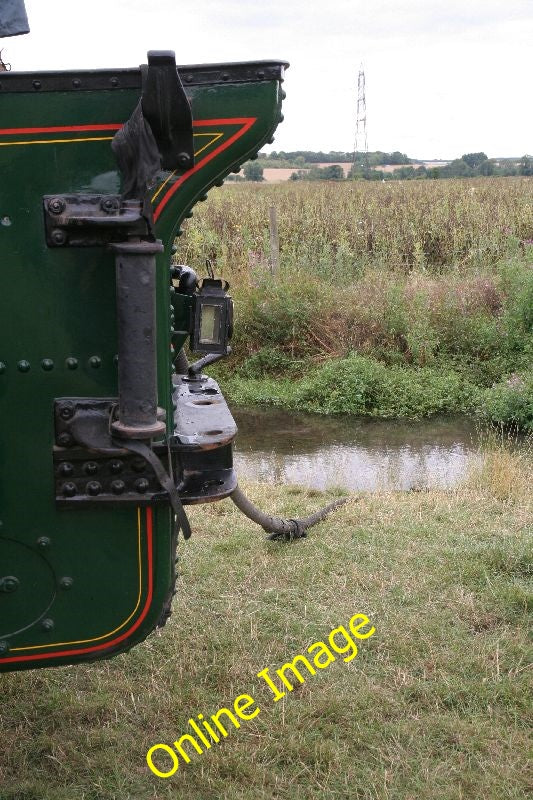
point(274, 241)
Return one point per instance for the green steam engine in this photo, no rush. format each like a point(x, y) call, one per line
point(106, 431)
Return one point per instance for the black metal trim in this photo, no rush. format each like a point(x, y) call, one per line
point(108, 79)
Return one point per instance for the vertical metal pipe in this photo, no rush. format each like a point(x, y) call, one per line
point(137, 357)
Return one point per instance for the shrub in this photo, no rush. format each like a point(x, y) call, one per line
point(509, 403)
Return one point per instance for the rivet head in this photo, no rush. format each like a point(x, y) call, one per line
point(260, 74)
point(69, 489)
point(65, 469)
point(56, 205)
point(67, 411)
point(90, 468)
point(114, 81)
point(72, 363)
point(64, 439)
point(116, 467)
point(141, 485)
point(118, 486)
point(183, 159)
point(95, 361)
point(9, 584)
point(47, 624)
point(23, 366)
point(47, 364)
point(115, 361)
point(43, 542)
point(36, 84)
point(93, 488)
point(76, 83)
point(4, 648)
point(58, 236)
point(66, 583)
point(2, 367)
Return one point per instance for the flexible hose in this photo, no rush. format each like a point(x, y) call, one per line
point(277, 527)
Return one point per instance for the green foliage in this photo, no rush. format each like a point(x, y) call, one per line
point(266, 361)
point(253, 171)
point(509, 403)
point(364, 387)
point(474, 159)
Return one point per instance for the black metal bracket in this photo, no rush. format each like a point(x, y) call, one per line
point(89, 220)
point(167, 110)
point(91, 468)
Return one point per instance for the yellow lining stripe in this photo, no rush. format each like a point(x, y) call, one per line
point(215, 138)
point(59, 141)
point(105, 635)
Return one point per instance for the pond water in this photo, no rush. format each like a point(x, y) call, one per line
point(322, 452)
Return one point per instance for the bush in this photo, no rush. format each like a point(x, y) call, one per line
point(509, 403)
point(364, 387)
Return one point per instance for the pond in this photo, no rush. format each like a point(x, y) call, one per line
point(323, 452)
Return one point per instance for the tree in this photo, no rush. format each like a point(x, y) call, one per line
point(253, 171)
point(474, 160)
point(525, 166)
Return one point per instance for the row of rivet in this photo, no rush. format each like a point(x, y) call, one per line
point(94, 488)
point(47, 364)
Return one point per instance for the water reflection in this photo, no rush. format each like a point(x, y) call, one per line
point(321, 452)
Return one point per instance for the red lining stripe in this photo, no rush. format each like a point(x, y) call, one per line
point(246, 123)
point(106, 645)
point(62, 129)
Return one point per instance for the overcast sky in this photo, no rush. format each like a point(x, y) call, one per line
point(443, 77)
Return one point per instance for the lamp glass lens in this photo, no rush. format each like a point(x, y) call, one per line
point(209, 324)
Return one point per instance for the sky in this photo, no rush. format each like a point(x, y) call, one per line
point(443, 77)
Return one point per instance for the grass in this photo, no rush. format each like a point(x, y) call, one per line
point(434, 707)
point(432, 281)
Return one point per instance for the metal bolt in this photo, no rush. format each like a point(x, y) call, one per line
point(114, 81)
point(43, 542)
point(115, 361)
point(59, 236)
point(95, 361)
point(117, 487)
point(141, 485)
point(260, 74)
point(67, 411)
point(116, 467)
point(23, 366)
point(184, 159)
point(72, 363)
point(90, 468)
point(64, 439)
point(93, 488)
point(57, 205)
point(4, 648)
point(36, 84)
point(109, 204)
point(2, 367)
point(65, 469)
point(76, 83)
point(66, 583)
point(47, 364)
point(69, 489)
point(47, 624)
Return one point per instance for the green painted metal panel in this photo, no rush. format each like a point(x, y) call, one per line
point(93, 582)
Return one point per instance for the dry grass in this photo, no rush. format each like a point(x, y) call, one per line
point(433, 708)
point(340, 229)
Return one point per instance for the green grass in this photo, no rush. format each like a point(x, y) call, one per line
point(434, 707)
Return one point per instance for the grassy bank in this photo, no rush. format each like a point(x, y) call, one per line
point(433, 707)
point(392, 301)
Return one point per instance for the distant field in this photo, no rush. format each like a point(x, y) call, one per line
point(278, 174)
